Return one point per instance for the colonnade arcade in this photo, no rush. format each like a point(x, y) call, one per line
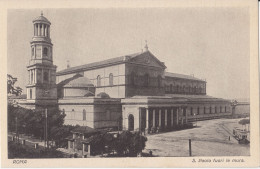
point(153, 118)
point(41, 29)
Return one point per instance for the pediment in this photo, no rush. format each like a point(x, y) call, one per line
point(147, 58)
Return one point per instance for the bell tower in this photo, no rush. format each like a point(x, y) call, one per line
point(41, 88)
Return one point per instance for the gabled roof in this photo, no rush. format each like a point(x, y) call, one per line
point(113, 61)
point(93, 65)
point(181, 76)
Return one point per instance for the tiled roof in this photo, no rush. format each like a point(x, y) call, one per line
point(196, 97)
point(41, 18)
point(89, 66)
point(181, 76)
point(79, 82)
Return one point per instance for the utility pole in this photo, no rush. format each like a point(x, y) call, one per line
point(190, 147)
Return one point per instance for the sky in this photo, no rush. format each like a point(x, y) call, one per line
point(211, 42)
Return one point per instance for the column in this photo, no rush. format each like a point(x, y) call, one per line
point(186, 116)
point(153, 117)
point(29, 76)
point(73, 145)
point(49, 76)
point(32, 76)
point(42, 76)
point(49, 31)
point(165, 118)
point(68, 144)
point(34, 29)
point(147, 119)
point(35, 76)
point(181, 115)
point(177, 116)
point(38, 31)
point(42, 30)
point(89, 149)
point(83, 149)
point(160, 117)
point(172, 117)
point(45, 30)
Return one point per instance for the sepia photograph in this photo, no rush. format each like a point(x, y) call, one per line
point(144, 82)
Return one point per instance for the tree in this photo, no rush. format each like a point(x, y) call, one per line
point(137, 144)
point(33, 121)
point(11, 89)
point(59, 135)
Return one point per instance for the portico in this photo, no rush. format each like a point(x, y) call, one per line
point(153, 114)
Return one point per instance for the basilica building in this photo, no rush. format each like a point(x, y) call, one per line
point(130, 92)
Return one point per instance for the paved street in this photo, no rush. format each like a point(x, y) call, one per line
point(210, 138)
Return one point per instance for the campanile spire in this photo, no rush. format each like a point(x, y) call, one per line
point(41, 87)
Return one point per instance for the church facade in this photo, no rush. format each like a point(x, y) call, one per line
point(131, 92)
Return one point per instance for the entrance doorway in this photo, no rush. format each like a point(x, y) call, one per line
point(130, 122)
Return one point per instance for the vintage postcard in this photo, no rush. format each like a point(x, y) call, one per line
point(129, 83)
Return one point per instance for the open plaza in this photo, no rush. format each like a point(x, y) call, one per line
point(209, 138)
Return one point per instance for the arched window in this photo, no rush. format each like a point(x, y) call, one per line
point(45, 51)
point(191, 111)
point(63, 111)
point(30, 93)
point(98, 81)
point(159, 81)
point(32, 51)
point(46, 76)
point(198, 111)
point(111, 79)
point(146, 80)
point(84, 114)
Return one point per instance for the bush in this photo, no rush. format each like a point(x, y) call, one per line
point(125, 144)
point(25, 151)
